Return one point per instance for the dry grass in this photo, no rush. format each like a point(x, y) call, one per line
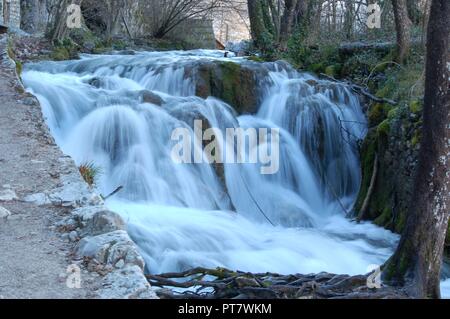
point(90, 172)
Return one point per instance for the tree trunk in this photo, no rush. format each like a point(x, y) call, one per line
point(302, 12)
point(417, 262)
point(414, 12)
point(403, 28)
point(59, 27)
point(287, 22)
point(349, 18)
point(256, 20)
point(260, 35)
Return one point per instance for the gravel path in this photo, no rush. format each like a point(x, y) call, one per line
point(33, 257)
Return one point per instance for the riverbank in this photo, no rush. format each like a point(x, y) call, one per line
point(39, 189)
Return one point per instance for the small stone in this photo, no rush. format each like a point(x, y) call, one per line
point(65, 237)
point(4, 213)
point(73, 236)
point(8, 195)
point(120, 263)
point(62, 277)
point(152, 98)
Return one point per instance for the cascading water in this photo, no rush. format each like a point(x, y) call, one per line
point(187, 215)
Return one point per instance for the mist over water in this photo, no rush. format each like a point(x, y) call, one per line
point(188, 215)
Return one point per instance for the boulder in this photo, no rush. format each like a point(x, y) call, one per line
point(236, 84)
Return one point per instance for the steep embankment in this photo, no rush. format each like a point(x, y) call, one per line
point(39, 189)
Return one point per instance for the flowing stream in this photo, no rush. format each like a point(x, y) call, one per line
point(187, 215)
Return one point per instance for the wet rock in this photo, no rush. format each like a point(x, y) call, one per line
point(73, 236)
point(110, 248)
point(152, 98)
point(39, 199)
point(236, 84)
point(127, 283)
point(4, 213)
point(120, 263)
point(103, 222)
point(8, 195)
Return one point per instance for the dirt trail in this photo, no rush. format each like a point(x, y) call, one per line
point(33, 257)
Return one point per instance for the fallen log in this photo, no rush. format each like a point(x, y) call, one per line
point(353, 47)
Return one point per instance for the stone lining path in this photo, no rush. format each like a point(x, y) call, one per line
point(33, 256)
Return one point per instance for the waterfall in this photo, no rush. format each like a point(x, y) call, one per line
point(187, 215)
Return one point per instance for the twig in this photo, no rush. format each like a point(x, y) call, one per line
point(370, 190)
point(118, 189)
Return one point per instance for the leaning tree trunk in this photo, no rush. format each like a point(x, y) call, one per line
point(417, 262)
point(403, 28)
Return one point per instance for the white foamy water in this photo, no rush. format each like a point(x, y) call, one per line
point(182, 216)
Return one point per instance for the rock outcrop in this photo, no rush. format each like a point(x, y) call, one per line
point(106, 248)
point(236, 84)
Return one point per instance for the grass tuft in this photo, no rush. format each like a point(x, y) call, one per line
point(90, 172)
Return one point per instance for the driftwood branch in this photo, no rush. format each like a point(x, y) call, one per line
point(360, 90)
point(365, 206)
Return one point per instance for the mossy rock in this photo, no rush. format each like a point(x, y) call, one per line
point(60, 54)
point(231, 82)
point(65, 50)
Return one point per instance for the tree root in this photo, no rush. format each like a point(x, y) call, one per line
point(202, 283)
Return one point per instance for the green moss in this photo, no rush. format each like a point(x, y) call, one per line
point(19, 67)
point(60, 54)
point(417, 138)
point(393, 113)
point(416, 106)
point(64, 50)
point(230, 77)
point(386, 91)
point(378, 113)
point(317, 67)
point(255, 58)
point(400, 222)
point(368, 151)
point(385, 218)
point(383, 128)
point(333, 70)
